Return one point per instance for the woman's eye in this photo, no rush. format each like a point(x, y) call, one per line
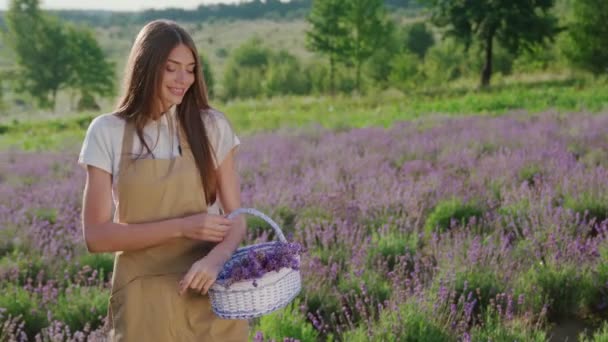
point(170, 70)
point(190, 71)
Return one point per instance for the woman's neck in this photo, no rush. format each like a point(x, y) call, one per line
point(162, 111)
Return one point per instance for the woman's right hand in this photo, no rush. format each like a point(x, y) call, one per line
point(205, 227)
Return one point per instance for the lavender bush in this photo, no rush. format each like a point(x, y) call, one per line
point(468, 228)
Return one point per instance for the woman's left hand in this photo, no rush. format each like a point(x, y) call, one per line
point(201, 276)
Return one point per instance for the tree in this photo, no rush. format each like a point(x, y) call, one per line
point(328, 34)
point(41, 50)
point(286, 76)
point(368, 28)
point(377, 66)
point(207, 75)
point(246, 69)
point(51, 55)
point(91, 73)
point(588, 35)
point(515, 24)
point(418, 39)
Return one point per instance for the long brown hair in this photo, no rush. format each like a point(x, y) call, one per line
point(142, 86)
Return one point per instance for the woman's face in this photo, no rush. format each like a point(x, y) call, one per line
point(178, 76)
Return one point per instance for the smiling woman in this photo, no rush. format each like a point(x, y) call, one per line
point(166, 159)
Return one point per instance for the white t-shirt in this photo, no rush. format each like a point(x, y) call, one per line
point(103, 141)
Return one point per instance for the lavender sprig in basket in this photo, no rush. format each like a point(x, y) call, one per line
point(258, 279)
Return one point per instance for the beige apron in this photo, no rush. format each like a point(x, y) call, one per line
point(144, 302)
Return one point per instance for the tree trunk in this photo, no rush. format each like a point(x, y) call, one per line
point(54, 101)
point(332, 84)
point(358, 79)
point(486, 73)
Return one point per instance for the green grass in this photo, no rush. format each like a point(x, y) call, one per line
point(289, 322)
point(341, 112)
point(446, 211)
point(408, 323)
point(81, 306)
point(566, 289)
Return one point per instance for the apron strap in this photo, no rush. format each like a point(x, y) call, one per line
point(127, 146)
point(181, 134)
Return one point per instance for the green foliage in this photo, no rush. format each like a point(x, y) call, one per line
point(285, 76)
point(320, 79)
point(444, 63)
point(538, 57)
point(406, 324)
point(79, 306)
point(565, 289)
point(87, 102)
point(514, 24)
point(19, 302)
point(377, 287)
point(483, 284)
point(288, 322)
point(529, 173)
point(27, 265)
point(447, 210)
point(323, 300)
point(328, 33)
point(514, 213)
point(589, 204)
point(286, 219)
point(366, 22)
point(91, 74)
point(390, 247)
point(42, 214)
point(258, 226)
point(102, 262)
point(493, 329)
point(418, 39)
point(502, 59)
point(405, 73)
point(339, 112)
point(52, 55)
point(42, 50)
point(600, 335)
point(246, 69)
point(9, 239)
point(602, 270)
point(377, 67)
point(208, 75)
point(588, 35)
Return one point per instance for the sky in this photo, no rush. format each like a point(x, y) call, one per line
point(121, 5)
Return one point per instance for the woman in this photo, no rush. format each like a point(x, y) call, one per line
point(163, 157)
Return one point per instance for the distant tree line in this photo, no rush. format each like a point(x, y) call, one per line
point(251, 10)
point(359, 47)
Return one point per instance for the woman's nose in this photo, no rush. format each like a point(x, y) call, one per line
point(181, 75)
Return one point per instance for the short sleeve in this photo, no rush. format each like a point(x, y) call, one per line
point(96, 148)
point(222, 136)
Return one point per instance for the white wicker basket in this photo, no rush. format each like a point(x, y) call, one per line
point(274, 290)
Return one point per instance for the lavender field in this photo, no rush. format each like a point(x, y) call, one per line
point(440, 229)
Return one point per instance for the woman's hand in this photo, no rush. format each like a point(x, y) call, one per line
point(205, 227)
point(201, 275)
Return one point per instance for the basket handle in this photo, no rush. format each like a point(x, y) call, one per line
point(261, 215)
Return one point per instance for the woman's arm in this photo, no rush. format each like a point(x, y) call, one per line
point(229, 191)
point(103, 235)
point(204, 272)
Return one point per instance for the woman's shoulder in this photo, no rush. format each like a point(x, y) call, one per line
point(215, 119)
point(213, 115)
point(106, 122)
